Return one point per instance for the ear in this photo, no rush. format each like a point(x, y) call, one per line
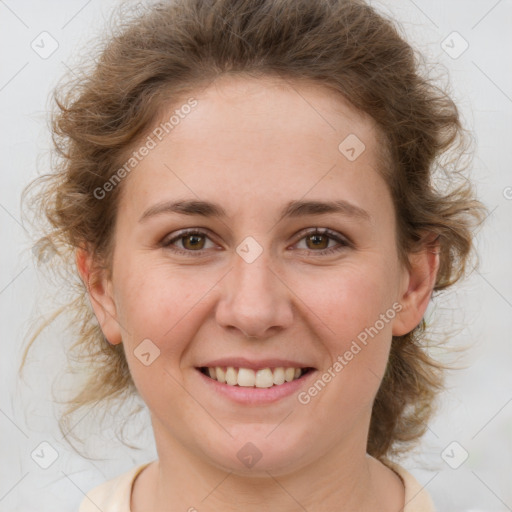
point(417, 287)
point(99, 289)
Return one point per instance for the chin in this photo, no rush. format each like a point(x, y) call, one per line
point(253, 453)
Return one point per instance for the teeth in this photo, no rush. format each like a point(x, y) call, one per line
point(289, 374)
point(246, 377)
point(279, 376)
point(264, 378)
point(231, 376)
point(220, 374)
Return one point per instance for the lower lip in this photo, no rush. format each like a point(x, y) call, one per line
point(253, 395)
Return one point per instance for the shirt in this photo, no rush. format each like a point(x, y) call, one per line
point(114, 495)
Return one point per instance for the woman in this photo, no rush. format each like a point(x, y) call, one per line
point(247, 191)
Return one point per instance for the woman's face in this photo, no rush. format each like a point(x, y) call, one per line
point(251, 164)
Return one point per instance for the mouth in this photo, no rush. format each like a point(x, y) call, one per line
point(262, 378)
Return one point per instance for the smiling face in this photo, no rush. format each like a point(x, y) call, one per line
point(253, 286)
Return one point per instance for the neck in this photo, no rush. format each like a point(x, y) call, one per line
point(344, 479)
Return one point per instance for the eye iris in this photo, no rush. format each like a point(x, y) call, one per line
point(313, 241)
point(314, 238)
point(194, 243)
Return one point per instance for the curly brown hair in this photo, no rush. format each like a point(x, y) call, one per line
point(156, 57)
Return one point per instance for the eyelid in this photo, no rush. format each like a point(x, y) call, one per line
point(342, 240)
point(335, 235)
point(177, 235)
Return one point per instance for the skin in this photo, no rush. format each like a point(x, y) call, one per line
point(252, 145)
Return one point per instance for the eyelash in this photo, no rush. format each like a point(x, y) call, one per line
point(344, 243)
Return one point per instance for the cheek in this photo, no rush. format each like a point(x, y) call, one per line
point(351, 301)
point(159, 315)
point(155, 305)
point(165, 305)
point(356, 309)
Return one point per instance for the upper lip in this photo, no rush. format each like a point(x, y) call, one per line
point(241, 362)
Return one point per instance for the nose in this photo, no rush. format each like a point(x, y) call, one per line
point(254, 300)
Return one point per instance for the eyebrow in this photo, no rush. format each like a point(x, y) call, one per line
point(292, 210)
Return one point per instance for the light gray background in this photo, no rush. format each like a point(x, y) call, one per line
point(476, 409)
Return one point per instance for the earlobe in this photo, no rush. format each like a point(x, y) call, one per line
point(417, 289)
point(99, 289)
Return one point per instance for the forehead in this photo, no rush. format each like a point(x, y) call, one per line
point(266, 138)
point(273, 111)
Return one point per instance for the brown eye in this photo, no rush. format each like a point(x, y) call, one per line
point(193, 241)
point(317, 241)
point(187, 242)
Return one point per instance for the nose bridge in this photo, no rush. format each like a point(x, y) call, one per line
point(254, 281)
point(254, 300)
